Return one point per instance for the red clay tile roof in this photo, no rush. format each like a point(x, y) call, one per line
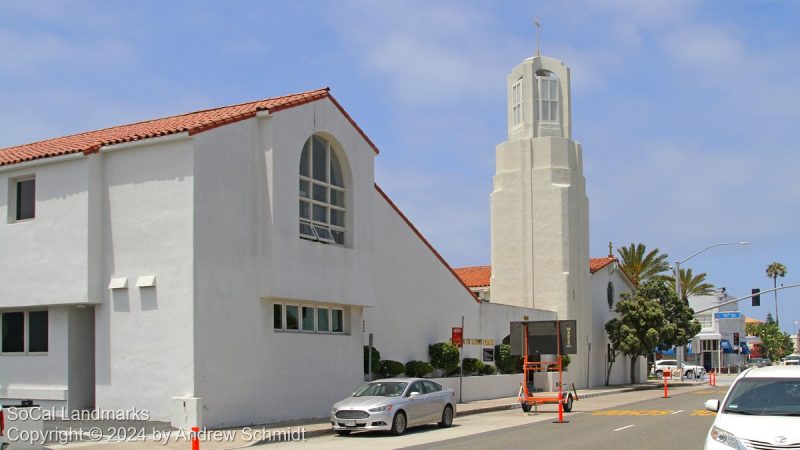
point(479, 276)
point(476, 276)
point(424, 241)
point(596, 264)
point(193, 123)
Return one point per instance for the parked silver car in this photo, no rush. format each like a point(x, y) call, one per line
point(394, 404)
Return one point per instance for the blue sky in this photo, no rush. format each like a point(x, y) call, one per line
point(687, 111)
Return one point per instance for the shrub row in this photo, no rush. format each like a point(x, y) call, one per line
point(444, 356)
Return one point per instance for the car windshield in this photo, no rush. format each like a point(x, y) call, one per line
point(382, 389)
point(764, 397)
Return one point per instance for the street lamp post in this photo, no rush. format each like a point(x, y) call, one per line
point(677, 268)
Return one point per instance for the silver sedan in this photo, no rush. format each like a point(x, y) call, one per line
point(394, 404)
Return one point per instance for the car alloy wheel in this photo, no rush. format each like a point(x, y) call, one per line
point(659, 373)
point(399, 423)
point(690, 375)
point(447, 417)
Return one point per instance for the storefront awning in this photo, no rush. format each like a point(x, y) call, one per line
point(726, 346)
point(745, 350)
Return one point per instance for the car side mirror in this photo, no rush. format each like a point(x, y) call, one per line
point(413, 394)
point(712, 405)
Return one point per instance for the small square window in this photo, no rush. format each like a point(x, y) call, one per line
point(37, 332)
point(320, 193)
point(308, 318)
point(13, 332)
point(337, 320)
point(25, 192)
point(322, 319)
point(307, 231)
point(277, 316)
point(292, 317)
point(324, 234)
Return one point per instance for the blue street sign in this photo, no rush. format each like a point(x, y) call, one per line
point(728, 315)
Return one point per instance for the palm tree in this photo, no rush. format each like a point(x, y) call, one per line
point(692, 284)
point(642, 265)
point(774, 271)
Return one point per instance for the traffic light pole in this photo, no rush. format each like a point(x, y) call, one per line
point(700, 311)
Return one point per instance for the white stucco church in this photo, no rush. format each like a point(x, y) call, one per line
point(229, 263)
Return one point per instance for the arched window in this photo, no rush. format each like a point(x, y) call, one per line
point(322, 203)
point(610, 295)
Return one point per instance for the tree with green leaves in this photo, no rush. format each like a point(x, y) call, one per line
point(680, 326)
point(692, 284)
point(641, 265)
point(774, 271)
point(776, 343)
point(636, 330)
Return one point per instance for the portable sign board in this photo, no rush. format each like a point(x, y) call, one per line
point(543, 337)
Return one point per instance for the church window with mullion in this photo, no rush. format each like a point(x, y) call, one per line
point(322, 193)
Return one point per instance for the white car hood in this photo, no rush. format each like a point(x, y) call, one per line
point(761, 428)
point(365, 402)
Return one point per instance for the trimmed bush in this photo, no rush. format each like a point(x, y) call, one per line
point(376, 360)
point(488, 369)
point(390, 369)
point(418, 369)
point(472, 366)
point(445, 356)
point(505, 362)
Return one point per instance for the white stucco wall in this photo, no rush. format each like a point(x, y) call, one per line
point(249, 256)
point(602, 313)
point(144, 336)
point(50, 264)
point(39, 377)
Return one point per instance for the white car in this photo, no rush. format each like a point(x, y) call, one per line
point(760, 410)
point(792, 360)
point(689, 370)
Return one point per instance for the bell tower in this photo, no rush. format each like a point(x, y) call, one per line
point(540, 225)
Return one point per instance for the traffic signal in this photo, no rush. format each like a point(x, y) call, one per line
point(735, 338)
point(756, 297)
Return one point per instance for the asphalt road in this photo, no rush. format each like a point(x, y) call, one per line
point(678, 422)
point(627, 421)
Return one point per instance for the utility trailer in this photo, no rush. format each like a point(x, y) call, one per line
point(530, 338)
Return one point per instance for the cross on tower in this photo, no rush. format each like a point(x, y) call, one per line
point(538, 27)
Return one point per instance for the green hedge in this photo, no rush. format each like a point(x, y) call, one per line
point(390, 369)
point(505, 362)
point(418, 369)
point(445, 356)
point(488, 369)
point(376, 360)
point(472, 366)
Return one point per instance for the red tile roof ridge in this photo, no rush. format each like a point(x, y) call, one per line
point(424, 241)
point(172, 116)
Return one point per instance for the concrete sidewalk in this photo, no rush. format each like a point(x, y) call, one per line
point(242, 437)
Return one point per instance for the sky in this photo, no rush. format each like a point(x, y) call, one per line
point(687, 110)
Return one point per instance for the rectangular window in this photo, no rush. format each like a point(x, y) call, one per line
point(322, 319)
point(337, 320)
point(277, 316)
point(13, 332)
point(548, 100)
point(292, 317)
point(516, 103)
point(37, 332)
point(308, 318)
point(25, 191)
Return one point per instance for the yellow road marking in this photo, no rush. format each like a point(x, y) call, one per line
point(702, 412)
point(633, 412)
